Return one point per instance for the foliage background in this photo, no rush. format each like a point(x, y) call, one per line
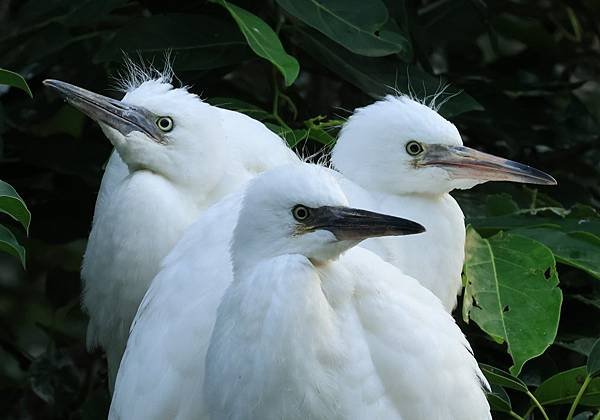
point(528, 72)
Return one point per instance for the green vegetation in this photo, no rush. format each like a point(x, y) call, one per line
point(524, 84)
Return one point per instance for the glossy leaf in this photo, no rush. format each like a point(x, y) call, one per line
point(512, 294)
point(382, 76)
point(13, 79)
point(502, 378)
point(10, 245)
point(197, 42)
point(593, 363)
point(564, 386)
point(263, 41)
point(12, 204)
point(362, 30)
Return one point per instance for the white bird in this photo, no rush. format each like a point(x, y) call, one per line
point(304, 330)
point(400, 157)
point(175, 156)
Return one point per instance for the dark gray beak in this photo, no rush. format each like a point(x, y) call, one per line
point(348, 224)
point(122, 117)
point(466, 163)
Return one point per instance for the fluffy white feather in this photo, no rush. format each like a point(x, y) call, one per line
point(296, 335)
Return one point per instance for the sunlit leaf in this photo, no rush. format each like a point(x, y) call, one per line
point(13, 79)
point(363, 30)
point(263, 41)
point(12, 204)
point(512, 294)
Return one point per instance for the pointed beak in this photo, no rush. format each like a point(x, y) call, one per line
point(466, 163)
point(116, 114)
point(348, 224)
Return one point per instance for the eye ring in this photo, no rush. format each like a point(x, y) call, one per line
point(164, 123)
point(414, 148)
point(301, 213)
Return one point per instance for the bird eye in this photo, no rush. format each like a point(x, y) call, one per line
point(300, 212)
point(414, 148)
point(165, 123)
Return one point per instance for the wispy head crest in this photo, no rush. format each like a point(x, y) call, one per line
point(435, 100)
point(137, 71)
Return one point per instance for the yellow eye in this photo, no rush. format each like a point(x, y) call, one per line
point(165, 123)
point(414, 148)
point(301, 212)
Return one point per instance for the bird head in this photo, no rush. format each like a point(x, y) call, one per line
point(156, 127)
point(400, 146)
point(301, 209)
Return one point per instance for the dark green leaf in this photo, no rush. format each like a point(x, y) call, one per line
point(197, 42)
point(362, 30)
point(12, 204)
point(383, 76)
point(577, 249)
point(564, 386)
point(9, 244)
point(593, 363)
point(249, 109)
point(13, 79)
point(264, 41)
point(502, 378)
point(498, 399)
point(512, 293)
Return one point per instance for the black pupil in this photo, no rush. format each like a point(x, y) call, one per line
point(414, 148)
point(164, 123)
point(301, 213)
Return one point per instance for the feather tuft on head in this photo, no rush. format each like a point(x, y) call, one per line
point(136, 72)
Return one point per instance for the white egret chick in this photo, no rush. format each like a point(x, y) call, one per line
point(296, 325)
point(177, 155)
point(403, 158)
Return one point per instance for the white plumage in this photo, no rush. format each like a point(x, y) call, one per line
point(152, 191)
point(372, 152)
point(299, 333)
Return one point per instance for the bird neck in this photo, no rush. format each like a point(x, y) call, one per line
point(273, 332)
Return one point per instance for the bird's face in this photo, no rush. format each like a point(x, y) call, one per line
point(301, 209)
point(156, 127)
point(400, 146)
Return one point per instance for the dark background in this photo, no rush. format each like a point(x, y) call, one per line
point(530, 75)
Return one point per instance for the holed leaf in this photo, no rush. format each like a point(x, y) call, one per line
point(512, 294)
point(362, 30)
point(577, 249)
point(263, 41)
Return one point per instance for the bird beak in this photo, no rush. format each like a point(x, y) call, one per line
point(348, 224)
point(466, 163)
point(122, 117)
